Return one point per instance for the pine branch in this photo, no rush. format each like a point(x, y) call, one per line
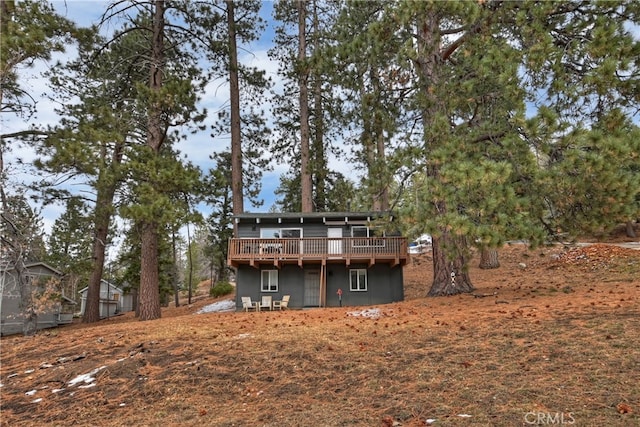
point(22, 133)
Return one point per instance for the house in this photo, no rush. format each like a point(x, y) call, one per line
point(319, 259)
point(54, 308)
point(113, 300)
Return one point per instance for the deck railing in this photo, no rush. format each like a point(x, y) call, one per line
point(350, 249)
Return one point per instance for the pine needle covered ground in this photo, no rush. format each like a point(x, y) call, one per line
point(553, 335)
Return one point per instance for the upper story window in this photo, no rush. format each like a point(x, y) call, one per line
point(269, 233)
point(364, 231)
point(363, 236)
point(359, 231)
point(280, 233)
point(291, 233)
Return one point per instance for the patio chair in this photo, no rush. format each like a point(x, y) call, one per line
point(266, 303)
point(284, 303)
point(247, 304)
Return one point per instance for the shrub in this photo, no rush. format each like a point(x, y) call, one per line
point(220, 289)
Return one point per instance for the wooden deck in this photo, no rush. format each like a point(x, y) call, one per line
point(349, 250)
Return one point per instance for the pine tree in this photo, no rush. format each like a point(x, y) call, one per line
point(591, 182)
point(244, 120)
point(370, 78)
point(96, 133)
point(174, 78)
point(70, 244)
point(466, 71)
point(219, 223)
point(306, 133)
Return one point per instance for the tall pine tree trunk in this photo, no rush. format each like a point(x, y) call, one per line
point(174, 271)
point(450, 275)
point(630, 231)
point(373, 142)
point(149, 289)
point(103, 212)
point(92, 305)
point(450, 252)
point(382, 198)
point(149, 284)
point(489, 258)
point(306, 182)
point(319, 162)
point(236, 143)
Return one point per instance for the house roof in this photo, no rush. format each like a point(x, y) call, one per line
point(315, 216)
point(69, 300)
point(103, 282)
point(31, 265)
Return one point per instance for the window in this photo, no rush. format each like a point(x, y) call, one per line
point(358, 280)
point(364, 236)
point(359, 231)
point(278, 233)
point(269, 233)
point(293, 233)
point(269, 280)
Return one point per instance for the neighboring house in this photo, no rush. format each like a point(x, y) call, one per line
point(113, 300)
point(319, 259)
point(52, 313)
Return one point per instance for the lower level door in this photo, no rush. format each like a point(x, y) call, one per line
point(312, 288)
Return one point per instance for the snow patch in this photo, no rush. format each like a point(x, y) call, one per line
point(86, 378)
point(372, 313)
point(216, 307)
point(87, 385)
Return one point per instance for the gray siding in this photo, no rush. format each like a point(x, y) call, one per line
point(384, 284)
point(290, 282)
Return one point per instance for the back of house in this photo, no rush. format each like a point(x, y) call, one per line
point(319, 259)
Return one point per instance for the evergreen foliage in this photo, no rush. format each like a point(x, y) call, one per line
point(219, 223)
point(305, 132)
point(462, 74)
point(30, 31)
point(70, 245)
point(478, 121)
point(221, 289)
point(21, 231)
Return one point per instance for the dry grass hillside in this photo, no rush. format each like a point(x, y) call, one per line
point(552, 335)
